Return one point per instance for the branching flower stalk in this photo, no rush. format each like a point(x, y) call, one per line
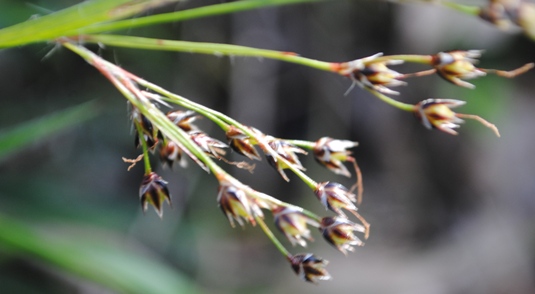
point(237, 201)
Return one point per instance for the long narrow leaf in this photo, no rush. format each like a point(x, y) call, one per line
point(55, 25)
point(94, 255)
point(19, 136)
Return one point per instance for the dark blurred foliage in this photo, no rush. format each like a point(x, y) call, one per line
point(449, 214)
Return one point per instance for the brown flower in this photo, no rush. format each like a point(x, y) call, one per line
point(454, 66)
point(183, 119)
point(292, 222)
point(338, 232)
point(236, 205)
point(331, 153)
point(154, 191)
point(241, 143)
point(286, 151)
point(309, 267)
point(336, 197)
point(437, 113)
point(209, 145)
point(170, 153)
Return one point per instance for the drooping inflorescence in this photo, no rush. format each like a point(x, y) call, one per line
point(174, 138)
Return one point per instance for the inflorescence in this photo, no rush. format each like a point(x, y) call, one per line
point(174, 137)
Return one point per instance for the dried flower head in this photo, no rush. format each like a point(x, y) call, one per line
point(286, 151)
point(332, 153)
point(236, 205)
point(209, 145)
point(437, 113)
point(154, 191)
point(292, 222)
point(309, 267)
point(454, 66)
point(338, 232)
point(183, 119)
point(241, 143)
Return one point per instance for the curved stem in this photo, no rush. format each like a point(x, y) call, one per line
point(392, 102)
point(272, 237)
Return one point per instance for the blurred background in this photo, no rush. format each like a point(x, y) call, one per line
point(448, 214)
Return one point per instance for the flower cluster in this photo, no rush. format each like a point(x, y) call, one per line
point(373, 74)
point(174, 137)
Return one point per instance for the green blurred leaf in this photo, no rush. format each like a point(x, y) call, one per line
point(56, 25)
point(19, 136)
point(95, 255)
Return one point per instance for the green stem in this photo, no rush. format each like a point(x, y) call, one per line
point(145, 107)
point(272, 237)
point(201, 48)
point(301, 143)
point(466, 9)
point(392, 102)
point(141, 137)
point(424, 59)
point(194, 13)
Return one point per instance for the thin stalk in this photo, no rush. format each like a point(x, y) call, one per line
point(202, 48)
point(272, 237)
point(146, 159)
point(194, 13)
point(392, 102)
point(466, 9)
point(301, 143)
point(424, 59)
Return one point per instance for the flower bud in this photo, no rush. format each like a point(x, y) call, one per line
point(437, 113)
point(170, 153)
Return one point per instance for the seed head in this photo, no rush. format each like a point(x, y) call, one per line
point(332, 153)
point(338, 232)
point(454, 66)
point(170, 153)
point(292, 222)
point(336, 197)
point(154, 191)
point(183, 119)
point(209, 145)
point(309, 267)
point(286, 151)
point(236, 205)
point(241, 143)
point(437, 113)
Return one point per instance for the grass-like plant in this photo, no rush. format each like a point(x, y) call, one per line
point(164, 121)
